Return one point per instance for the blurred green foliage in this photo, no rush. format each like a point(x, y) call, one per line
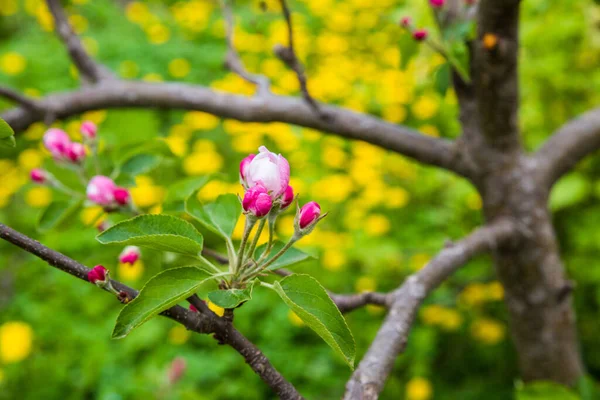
point(388, 215)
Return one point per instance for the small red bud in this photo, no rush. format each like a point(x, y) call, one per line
point(121, 196)
point(97, 274)
point(420, 34)
point(406, 22)
point(39, 175)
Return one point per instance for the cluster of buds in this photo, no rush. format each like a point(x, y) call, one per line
point(62, 148)
point(104, 191)
point(266, 178)
point(419, 34)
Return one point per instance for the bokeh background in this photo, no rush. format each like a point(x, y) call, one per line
point(388, 215)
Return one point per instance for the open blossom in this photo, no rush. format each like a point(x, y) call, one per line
point(100, 190)
point(287, 198)
point(257, 201)
point(309, 213)
point(75, 152)
point(130, 255)
point(39, 175)
point(57, 142)
point(89, 129)
point(97, 274)
point(268, 169)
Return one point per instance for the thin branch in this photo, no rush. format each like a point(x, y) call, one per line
point(232, 59)
point(289, 57)
point(203, 322)
point(368, 379)
point(19, 98)
point(89, 69)
point(340, 121)
point(567, 146)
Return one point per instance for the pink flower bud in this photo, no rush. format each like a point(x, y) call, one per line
point(244, 165)
point(176, 370)
point(100, 190)
point(97, 274)
point(406, 22)
point(193, 308)
point(257, 201)
point(38, 175)
point(309, 213)
point(437, 3)
point(57, 142)
point(130, 255)
point(288, 197)
point(89, 129)
point(267, 169)
point(420, 34)
point(76, 152)
point(121, 196)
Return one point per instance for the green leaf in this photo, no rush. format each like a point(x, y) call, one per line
point(290, 257)
point(219, 217)
point(160, 293)
point(159, 232)
point(184, 188)
point(542, 390)
point(458, 55)
point(230, 298)
point(55, 213)
point(140, 164)
point(7, 135)
point(309, 300)
point(442, 79)
point(409, 47)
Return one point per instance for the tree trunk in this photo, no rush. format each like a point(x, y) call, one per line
point(537, 294)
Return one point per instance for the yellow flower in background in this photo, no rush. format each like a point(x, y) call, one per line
point(137, 12)
point(177, 145)
point(285, 225)
point(129, 69)
point(474, 294)
point(178, 335)
point(295, 319)
point(333, 156)
point(97, 116)
point(488, 331)
point(146, 193)
point(202, 163)
point(32, 92)
point(16, 339)
point(44, 17)
point(377, 225)
point(153, 77)
point(215, 308)
point(1, 376)
point(418, 389)
point(396, 197)
point(447, 318)
point(418, 261)
point(12, 63)
point(335, 188)
point(214, 188)
point(495, 291)
point(30, 159)
point(92, 215)
point(8, 7)
point(334, 259)
point(426, 106)
point(90, 45)
point(199, 120)
point(35, 131)
point(38, 197)
point(365, 284)
point(179, 68)
point(430, 130)
point(129, 272)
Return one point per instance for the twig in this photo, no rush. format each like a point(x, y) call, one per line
point(372, 372)
point(344, 122)
point(288, 56)
point(232, 59)
point(89, 69)
point(21, 99)
point(203, 322)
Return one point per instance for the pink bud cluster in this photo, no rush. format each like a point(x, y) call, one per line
point(419, 34)
point(62, 148)
point(266, 178)
point(103, 191)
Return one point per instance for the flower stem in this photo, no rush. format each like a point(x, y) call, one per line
point(250, 222)
point(289, 244)
point(261, 225)
point(270, 243)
